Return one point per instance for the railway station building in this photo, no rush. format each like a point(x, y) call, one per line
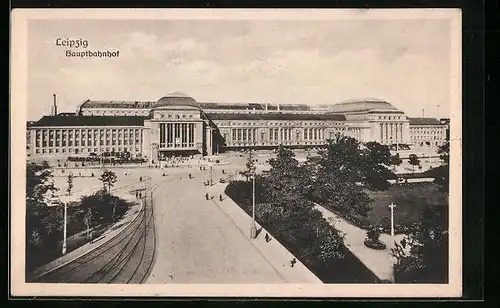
point(178, 125)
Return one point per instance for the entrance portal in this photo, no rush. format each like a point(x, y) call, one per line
point(164, 155)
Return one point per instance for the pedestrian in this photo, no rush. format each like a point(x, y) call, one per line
point(140, 179)
point(267, 238)
point(137, 195)
point(220, 197)
point(206, 196)
point(292, 263)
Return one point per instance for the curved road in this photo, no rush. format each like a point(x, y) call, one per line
point(198, 243)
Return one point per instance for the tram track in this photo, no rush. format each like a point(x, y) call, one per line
point(126, 258)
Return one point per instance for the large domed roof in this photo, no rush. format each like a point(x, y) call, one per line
point(362, 105)
point(176, 99)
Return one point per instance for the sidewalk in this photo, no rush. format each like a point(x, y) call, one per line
point(380, 262)
point(90, 246)
point(275, 253)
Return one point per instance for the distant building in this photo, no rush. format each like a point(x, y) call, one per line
point(446, 121)
point(179, 125)
point(428, 132)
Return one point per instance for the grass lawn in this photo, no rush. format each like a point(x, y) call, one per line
point(410, 202)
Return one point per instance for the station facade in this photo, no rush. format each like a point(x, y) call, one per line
point(178, 125)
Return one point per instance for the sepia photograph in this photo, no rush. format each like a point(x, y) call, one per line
point(236, 153)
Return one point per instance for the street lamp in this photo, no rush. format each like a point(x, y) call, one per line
point(253, 227)
point(64, 231)
point(211, 175)
point(392, 206)
point(70, 186)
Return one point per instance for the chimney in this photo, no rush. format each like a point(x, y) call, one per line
point(266, 106)
point(423, 113)
point(54, 108)
point(278, 107)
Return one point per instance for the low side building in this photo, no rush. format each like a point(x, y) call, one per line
point(428, 132)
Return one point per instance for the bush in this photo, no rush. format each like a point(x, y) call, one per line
point(105, 207)
point(373, 239)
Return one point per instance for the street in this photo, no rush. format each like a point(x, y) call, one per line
point(198, 243)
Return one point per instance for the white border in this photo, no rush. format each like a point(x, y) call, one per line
point(18, 115)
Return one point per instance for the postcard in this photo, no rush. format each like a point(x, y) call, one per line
point(236, 153)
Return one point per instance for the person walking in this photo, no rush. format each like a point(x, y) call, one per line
point(292, 262)
point(220, 198)
point(268, 239)
point(206, 196)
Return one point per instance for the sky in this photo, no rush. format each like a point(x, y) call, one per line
point(405, 62)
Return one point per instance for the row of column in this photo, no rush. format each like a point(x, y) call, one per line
point(61, 138)
point(277, 134)
point(244, 134)
point(314, 133)
point(177, 135)
point(356, 133)
point(391, 132)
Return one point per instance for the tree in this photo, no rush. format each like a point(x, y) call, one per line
point(104, 207)
point(41, 221)
point(422, 256)
point(414, 161)
point(375, 161)
point(38, 184)
point(338, 179)
point(70, 184)
point(396, 161)
point(108, 179)
point(88, 221)
point(441, 173)
point(250, 165)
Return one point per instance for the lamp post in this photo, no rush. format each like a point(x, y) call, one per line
point(70, 187)
point(253, 227)
point(64, 227)
point(211, 175)
point(392, 206)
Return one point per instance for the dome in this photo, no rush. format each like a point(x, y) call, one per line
point(362, 105)
point(176, 99)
